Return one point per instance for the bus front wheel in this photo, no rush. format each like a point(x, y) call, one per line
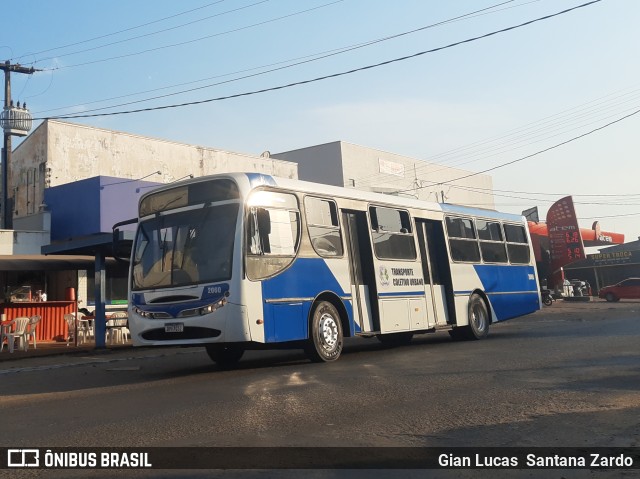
point(478, 327)
point(326, 341)
point(225, 355)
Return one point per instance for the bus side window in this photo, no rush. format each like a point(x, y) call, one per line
point(392, 233)
point(324, 229)
point(462, 239)
point(273, 234)
point(259, 231)
point(517, 244)
point(264, 229)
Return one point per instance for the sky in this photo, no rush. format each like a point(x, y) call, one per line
point(547, 108)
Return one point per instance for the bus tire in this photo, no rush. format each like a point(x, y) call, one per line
point(478, 327)
point(225, 355)
point(395, 339)
point(326, 339)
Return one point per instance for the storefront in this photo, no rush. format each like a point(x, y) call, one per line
point(606, 268)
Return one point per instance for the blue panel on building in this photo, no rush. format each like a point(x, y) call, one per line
point(93, 205)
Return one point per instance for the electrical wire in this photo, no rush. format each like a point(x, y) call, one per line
point(502, 165)
point(308, 58)
point(339, 74)
point(118, 32)
point(149, 34)
point(187, 42)
point(563, 119)
point(609, 203)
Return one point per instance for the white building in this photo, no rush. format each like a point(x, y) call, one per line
point(59, 152)
point(344, 164)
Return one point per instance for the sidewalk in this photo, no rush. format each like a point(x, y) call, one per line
point(53, 348)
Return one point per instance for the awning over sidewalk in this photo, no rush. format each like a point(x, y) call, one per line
point(35, 262)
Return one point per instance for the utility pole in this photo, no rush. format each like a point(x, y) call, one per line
point(14, 122)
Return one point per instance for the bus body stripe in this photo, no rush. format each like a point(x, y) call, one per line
point(305, 278)
point(512, 290)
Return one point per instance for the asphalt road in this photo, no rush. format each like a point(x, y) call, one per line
point(568, 375)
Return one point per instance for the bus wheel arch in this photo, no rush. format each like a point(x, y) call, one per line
point(327, 326)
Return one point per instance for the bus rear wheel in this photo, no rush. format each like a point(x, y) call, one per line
point(478, 327)
point(225, 355)
point(326, 341)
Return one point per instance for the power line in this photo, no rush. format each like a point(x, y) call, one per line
point(309, 58)
point(120, 31)
point(187, 42)
point(502, 165)
point(334, 75)
point(480, 190)
point(562, 120)
point(149, 34)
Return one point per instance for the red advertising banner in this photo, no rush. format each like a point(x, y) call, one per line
point(565, 240)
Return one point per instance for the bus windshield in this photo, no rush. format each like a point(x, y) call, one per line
point(185, 248)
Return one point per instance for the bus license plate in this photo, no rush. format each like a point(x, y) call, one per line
point(174, 328)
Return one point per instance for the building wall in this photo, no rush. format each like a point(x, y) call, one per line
point(22, 242)
point(346, 164)
point(321, 163)
point(28, 173)
point(58, 152)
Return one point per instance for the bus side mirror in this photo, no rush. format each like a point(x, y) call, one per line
point(121, 248)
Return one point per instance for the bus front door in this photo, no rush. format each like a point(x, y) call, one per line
point(363, 285)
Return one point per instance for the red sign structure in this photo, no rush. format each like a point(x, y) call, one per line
point(565, 240)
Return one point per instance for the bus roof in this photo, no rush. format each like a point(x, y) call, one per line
point(373, 197)
point(256, 180)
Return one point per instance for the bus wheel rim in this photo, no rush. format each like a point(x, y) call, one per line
point(478, 318)
point(328, 332)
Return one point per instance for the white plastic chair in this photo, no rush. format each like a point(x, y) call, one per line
point(31, 331)
point(73, 326)
point(19, 332)
point(117, 328)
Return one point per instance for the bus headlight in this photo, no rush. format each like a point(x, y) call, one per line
point(151, 315)
point(212, 307)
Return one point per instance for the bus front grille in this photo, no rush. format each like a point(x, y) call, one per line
point(189, 333)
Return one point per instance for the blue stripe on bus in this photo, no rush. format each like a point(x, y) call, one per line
point(518, 280)
point(401, 293)
point(305, 278)
point(211, 294)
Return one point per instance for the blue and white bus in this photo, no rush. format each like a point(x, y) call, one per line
point(246, 260)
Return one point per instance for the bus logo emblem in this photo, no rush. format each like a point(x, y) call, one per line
point(383, 274)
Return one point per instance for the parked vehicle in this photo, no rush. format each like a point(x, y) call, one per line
point(547, 298)
point(580, 287)
point(627, 289)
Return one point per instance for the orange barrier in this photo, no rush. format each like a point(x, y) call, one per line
point(52, 325)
